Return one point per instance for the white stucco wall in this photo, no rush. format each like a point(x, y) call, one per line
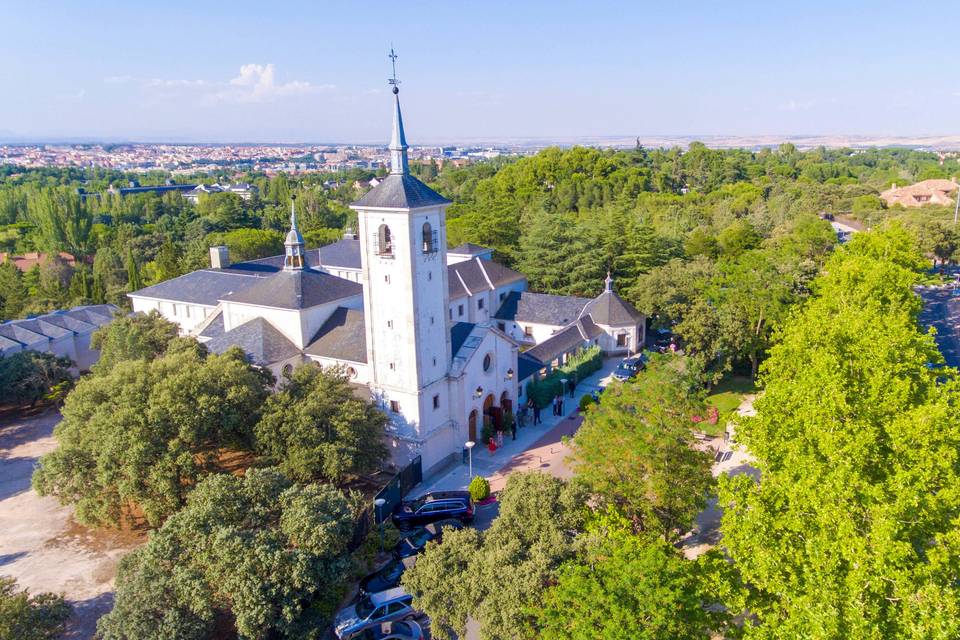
point(186, 316)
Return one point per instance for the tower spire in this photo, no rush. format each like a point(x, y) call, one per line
point(608, 282)
point(398, 142)
point(293, 259)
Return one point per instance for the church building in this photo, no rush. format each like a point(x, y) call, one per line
point(441, 338)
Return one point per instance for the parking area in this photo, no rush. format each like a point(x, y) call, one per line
point(41, 545)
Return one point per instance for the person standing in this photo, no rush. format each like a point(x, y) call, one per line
point(536, 415)
point(560, 405)
point(513, 429)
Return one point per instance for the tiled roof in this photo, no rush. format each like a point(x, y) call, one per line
point(343, 337)
point(469, 249)
point(204, 286)
point(541, 308)
point(260, 340)
point(214, 328)
point(38, 325)
point(477, 275)
point(400, 191)
point(13, 331)
point(527, 365)
point(296, 290)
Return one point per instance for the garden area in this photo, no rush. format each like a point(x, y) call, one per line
point(725, 397)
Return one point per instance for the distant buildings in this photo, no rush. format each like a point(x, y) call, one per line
point(29, 260)
point(243, 189)
point(936, 191)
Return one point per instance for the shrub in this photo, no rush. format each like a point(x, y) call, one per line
point(586, 401)
point(578, 367)
point(29, 376)
point(26, 617)
point(479, 488)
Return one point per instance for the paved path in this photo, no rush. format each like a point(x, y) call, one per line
point(536, 447)
point(731, 459)
point(40, 544)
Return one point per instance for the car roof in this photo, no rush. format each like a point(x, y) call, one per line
point(386, 596)
point(446, 495)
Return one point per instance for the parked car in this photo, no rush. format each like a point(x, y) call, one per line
point(433, 507)
point(406, 630)
point(629, 368)
point(416, 542)
point(387, 576)
point(372, 610)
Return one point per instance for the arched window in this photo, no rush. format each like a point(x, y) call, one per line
point(429, 246)
point(384, 241)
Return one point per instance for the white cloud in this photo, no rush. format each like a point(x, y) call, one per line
point(255, 83)
point(795, 105)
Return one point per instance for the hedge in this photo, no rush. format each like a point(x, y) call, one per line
point(579, 366)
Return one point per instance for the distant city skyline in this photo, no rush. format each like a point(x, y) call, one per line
point(299, 72)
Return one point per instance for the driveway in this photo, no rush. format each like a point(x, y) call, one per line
point(41, 545)
point(941, 310)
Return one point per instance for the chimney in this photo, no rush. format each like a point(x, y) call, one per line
point(219, 257)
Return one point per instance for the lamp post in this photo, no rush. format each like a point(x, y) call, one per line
point(469, 444)
point(379, 502)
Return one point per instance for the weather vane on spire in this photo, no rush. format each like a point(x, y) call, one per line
point(393, 61)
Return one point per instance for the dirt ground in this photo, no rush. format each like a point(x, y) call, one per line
point(40, 543)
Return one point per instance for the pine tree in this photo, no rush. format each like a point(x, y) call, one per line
point(133, 272)
point(13, 293)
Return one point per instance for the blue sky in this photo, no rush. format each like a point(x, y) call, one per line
point(316, 71)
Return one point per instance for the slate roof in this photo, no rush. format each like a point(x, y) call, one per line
point(400, 191)
point(39, 325)
point(563, 341)
point(203, 287)
point(342, 253)
point(13, 331)
point(610, 309)
point(527, 365)
point(97, 314)
point(343, 336)
point(214, 328)
point(295, 290)
point(469, 249)
point(458, 335)
point(477, 275)
point(7, 343)
point(541, 308)
point(260, 340)
point(65, 321)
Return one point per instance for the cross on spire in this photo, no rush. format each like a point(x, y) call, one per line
point(393, 62)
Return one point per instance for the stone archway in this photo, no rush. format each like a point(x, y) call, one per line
point(492, 414)
point(472, 434)
point(506, 404)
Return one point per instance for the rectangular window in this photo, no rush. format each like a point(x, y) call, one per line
point(528, 331)
point(502, 296)
point(436, 402)
point(390, 324)
point(480, 303)
point(187, 310)
point(622, 340)
point(460, 310)
point(386, 278)
point(451, 314)
point(501, 326)
point(392, 367)
point(394, 406)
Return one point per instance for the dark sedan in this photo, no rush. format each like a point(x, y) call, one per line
point(416, 542)
point(434, 507)
point(386, 577)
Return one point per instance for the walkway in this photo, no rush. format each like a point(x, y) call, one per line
point(941, 310)
point(538, 447)
point(731, 459)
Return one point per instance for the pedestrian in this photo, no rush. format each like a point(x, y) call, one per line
point(560, 405)
point(554, 405)
point(492, 446)
point(499, 437)
point(536, 415)
point(571, 386)
point(513, 429)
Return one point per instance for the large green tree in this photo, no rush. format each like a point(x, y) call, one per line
point(28, 377)
point(134, 440)
point(314, 427)
point(635, 449)
point(26, 617)
point(851, 531)
point(137, 337)
point(254, 557)
point(498, 577)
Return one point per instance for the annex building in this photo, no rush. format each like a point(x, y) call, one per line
point(442, 338)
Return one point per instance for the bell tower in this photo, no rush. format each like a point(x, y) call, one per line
point(402, 225)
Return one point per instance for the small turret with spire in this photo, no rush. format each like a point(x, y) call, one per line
point(294, 259)
point(608, 283)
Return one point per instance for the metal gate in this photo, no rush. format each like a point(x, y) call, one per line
point(399, 486)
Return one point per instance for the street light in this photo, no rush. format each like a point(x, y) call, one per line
point(470, 444)
point(379, 502)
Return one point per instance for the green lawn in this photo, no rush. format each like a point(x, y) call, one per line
point(726, 397)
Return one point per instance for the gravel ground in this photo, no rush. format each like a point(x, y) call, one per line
point(40, 543)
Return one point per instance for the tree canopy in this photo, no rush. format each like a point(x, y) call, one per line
point(26, 617)
point(137, 438)
point(256, 556)
point(852, 531)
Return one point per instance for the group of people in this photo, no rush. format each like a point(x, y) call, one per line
point(558, 405)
